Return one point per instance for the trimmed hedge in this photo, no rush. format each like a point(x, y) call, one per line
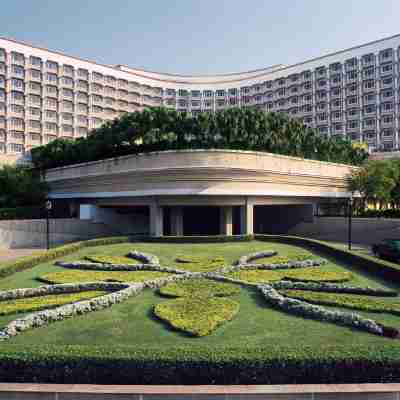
point(197, 315)
point(299, 274)
point(111, 260)
point(353, 301)
point(81, 275)
point(201, 364)
point(385, 269)
point(199, 264)
point(22, 213)
point(199, 288)
point(24, 263)
point(45, 302)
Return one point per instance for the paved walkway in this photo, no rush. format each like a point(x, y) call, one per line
point(12, 254)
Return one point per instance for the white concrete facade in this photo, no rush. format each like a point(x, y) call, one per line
point(46, 94)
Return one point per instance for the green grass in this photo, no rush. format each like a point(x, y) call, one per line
point(199, 264)
point(278, 259)
point(256, 324)
point(43, 302)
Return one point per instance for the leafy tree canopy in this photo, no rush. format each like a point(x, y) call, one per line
point(160, 129)
point(21, 186)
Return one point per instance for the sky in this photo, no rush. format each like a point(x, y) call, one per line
point(198, 36)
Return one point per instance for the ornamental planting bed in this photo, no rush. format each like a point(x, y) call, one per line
point(219, 303)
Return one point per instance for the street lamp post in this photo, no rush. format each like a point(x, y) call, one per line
point(350, 215)
point(49, 206)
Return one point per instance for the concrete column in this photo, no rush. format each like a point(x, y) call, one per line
point(156, 220)
point(226, 223)
point(177, 221)
point(246, 219)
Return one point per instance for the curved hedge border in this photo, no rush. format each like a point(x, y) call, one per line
point(371, 264)
point(332, 288)
point(24, 263)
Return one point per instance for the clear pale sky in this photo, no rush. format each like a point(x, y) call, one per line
point(202, 36)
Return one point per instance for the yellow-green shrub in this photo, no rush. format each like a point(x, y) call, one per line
point(199, 264)
point(199, 288)
point(198, 316)
point(71, 275)
point(44, 302)
point(353, 301)
point(111, 260)
point(300, 274)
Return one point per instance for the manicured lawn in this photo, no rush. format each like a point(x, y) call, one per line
point(256, 324)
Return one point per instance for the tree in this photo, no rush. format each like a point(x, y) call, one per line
point(158, 129)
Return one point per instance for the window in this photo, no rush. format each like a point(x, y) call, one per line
point(208, 93)
point(369, 72)
point(386, 54)
point(18, 57)
point(369, 98)
point(281, 82)
point(17, 122)
point(322, 117)
point(97, 109)
point(83, 108)
point(67, 81)
point(17, 109)
point(352, 75)
point(18, 70)
point(369, 109)
point(122, 83)
point(51, 102)
point(112, 81)
point(16, 148)
point(35, 61)
point(82, 120)
point(51, 114)
point(387, 119)
point(35, 137)
point(196, 93)
point(67, 117)
point(68, 105)
point(353, 124)
point(387, 132)
point(51, 127)
point(351, 63)
point(322, 83)
point(17, 84)
point(387, 81)
point(67, 128)
point(368, 59)
point(387, 106)
point(336, 103)
point(97, 77)
point(18, 96)
point(35, 74)
point(369, 84)
point(352, 100)
point(51, 78)
point(387, 93)
point(387, 68)
point(83, 73)
point(33, 99)
point(220, 93)
point(323, 129)
point(68, 93)
point(51, 65)
point(51, 90)
point(68, 69)
point(35, 86)
point(34, 124)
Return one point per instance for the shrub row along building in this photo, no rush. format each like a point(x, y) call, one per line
point(45, 94)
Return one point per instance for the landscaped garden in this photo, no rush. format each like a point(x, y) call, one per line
point(240, 312)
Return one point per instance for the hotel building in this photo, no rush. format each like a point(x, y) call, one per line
point(45, 94)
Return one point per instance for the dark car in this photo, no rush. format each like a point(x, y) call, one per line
point(388, 249)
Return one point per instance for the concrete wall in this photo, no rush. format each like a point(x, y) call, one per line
point(32, 233)
point(364, 230)
point(368, 391)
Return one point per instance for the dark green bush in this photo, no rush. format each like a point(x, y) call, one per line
point(21, 213)
point(199, 365)
point(31, 261)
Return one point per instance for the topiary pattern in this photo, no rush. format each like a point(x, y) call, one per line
point(201, 292)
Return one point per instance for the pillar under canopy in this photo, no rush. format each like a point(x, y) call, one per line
point(247, 219)
point(156, 220)
point(226, 220)
point(177, 221)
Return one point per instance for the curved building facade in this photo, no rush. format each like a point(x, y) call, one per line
point(46, 94)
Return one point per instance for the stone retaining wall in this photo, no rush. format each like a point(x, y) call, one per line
point(32, 233)
point(365, 231)
point(268, 392)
